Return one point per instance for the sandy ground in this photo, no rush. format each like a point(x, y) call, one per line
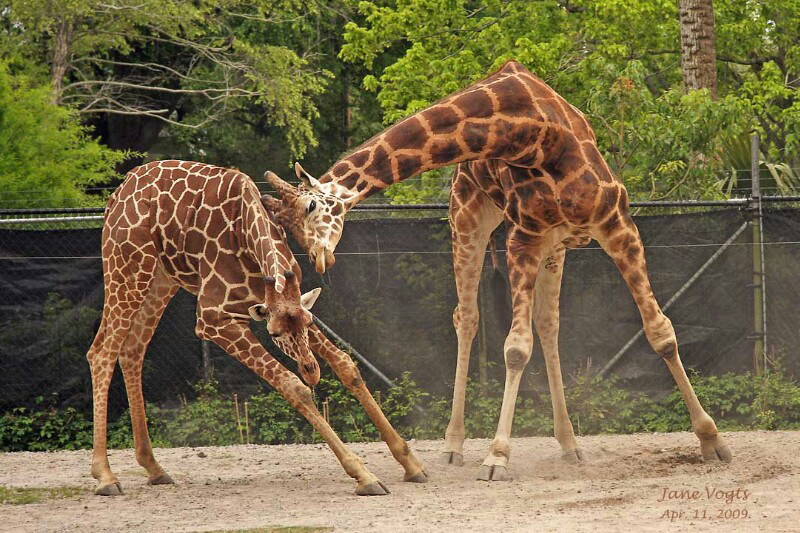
point(622, 484)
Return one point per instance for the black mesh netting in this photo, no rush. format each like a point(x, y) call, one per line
point(392, 294)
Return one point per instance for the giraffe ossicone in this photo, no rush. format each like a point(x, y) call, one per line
point(526, 157)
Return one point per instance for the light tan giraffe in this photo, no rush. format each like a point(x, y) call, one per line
point(174, 224)
point(526, 157)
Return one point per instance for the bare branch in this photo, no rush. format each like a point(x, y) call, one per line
point(147, 66)
point(208, 93)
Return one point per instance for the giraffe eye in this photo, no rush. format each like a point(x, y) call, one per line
point(312, 206)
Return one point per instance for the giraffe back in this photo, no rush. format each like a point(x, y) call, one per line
point(208, 226)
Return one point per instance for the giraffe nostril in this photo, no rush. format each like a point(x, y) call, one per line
point(308, 368)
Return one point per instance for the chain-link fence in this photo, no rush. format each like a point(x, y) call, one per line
point(392, 294)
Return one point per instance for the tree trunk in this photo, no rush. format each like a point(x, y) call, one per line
point(60, 53)
point(698, 57)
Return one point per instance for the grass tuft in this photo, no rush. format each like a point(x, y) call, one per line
point(26, 495)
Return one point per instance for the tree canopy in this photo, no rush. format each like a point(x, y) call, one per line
point(46, 156)
point(617, 60)
point(255, 84)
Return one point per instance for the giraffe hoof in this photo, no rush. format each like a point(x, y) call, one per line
point(376, 488)
point(451, 458)
point(112, 489)
point(721, 453)
point(162, 479)
point(572, 457)
point(715, 449)
point(419, 477)
point(493, 473)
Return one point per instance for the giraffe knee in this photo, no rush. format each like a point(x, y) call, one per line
point(301, 393)
point(663, 340)
point(669, 350)
point(353, 378)
point(517, 358)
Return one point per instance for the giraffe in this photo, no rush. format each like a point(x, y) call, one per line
point(528, 158)
point(174, 224)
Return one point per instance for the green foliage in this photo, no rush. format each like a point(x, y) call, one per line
point(209, 420)
point(735, 401)
point(44, 427)
point(617, 60)
point(44, 148)
point(26, 495)
point(600, 405)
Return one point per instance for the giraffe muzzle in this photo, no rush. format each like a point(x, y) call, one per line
point(309, 372)
point(323, 260)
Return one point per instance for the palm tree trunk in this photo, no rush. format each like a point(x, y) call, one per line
point(698, 57)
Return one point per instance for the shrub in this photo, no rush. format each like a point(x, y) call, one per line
point(735, 401)
point(43, 428)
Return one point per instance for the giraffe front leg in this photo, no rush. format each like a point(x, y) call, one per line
point(131, 361)
point(546, 318)
point(523, 262)
point(348, 373)
point(473, 217)
point(235, 337)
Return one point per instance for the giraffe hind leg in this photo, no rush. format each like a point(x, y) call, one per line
point(101, 366)
point(131, 360)
point(546, 319)
point(125, 289)
point(624, 245)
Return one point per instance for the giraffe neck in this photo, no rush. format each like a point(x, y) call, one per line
point(511, 115)
point(264, 240)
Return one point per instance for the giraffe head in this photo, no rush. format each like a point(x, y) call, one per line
point(313, 216)
point(288, 317)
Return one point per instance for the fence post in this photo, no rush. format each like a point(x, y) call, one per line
point(759, 300)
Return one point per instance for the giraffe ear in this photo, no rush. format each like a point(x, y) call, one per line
point(310, 181)
point(258, 312)
point(307, 300)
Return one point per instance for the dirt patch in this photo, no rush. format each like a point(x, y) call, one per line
point(596, 502)
point(644, 482)
point(681, 456)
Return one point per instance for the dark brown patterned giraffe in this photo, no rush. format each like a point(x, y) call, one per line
point(175, 224)
point(527, 157)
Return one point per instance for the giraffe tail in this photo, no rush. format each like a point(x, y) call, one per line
point(499, 290)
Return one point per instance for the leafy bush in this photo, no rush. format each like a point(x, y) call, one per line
point(44, 427)
point(735, 401)
point(45, 147)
